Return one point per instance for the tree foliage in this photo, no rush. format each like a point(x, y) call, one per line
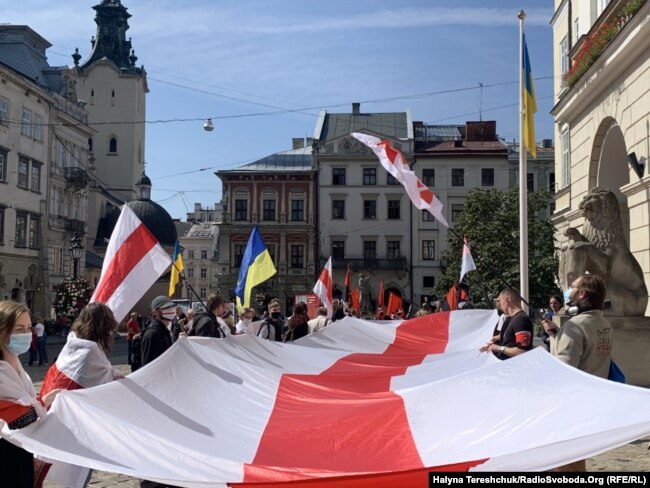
point(490, 220)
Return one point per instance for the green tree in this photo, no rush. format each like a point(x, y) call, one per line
point(490, 219)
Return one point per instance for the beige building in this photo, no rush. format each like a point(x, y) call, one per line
point(602, 114)
point(200, 254)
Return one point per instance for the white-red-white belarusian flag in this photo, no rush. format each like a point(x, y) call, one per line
point(467, 262)
point(323, 287)
point(134, 261)
point(393, 161)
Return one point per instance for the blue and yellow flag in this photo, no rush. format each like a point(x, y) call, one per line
point(528, 103)
point(177, 267)
point(256, 267)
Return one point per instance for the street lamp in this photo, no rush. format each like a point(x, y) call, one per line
point(76, 250)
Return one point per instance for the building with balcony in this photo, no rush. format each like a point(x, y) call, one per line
point(278, 195)
point(205, 214)
point(363, 213)
point(602, 113)
point(200, 245)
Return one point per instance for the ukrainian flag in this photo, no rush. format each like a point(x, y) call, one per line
point(177, 267)
point(528, 103)
point(256, 267)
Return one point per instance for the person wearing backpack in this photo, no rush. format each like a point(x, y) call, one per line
point(157, 338)
point(273, 326)
point(209, 323)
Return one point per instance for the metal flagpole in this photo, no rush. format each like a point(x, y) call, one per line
point(523, 172)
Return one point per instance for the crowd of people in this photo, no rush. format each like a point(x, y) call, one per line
point(583, 341)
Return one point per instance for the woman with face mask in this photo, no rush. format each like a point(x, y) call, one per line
point(18, 404)
point(245, 320)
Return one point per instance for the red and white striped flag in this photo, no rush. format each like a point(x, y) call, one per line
point(323, 287)
point(467, 263)
point(134, 261)
point(393, 161)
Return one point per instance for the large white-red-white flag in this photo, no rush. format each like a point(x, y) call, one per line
point(393, 161)
point(134, 261)
point(323, 287)
point(467, 262)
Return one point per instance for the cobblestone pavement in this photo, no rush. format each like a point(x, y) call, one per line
point(631, 457)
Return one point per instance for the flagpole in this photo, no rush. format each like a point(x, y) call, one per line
point(523, 173)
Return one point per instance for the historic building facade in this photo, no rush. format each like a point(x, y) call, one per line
point(277, 194)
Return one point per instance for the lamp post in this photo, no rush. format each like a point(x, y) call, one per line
point(76, 249)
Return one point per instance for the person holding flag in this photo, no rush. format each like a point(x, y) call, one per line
point(256, 267)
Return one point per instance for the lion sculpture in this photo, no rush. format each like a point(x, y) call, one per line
point(601, 249)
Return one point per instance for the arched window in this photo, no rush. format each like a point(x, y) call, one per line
point(112, 145)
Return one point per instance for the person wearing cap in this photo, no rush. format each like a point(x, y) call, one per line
point(157, 338)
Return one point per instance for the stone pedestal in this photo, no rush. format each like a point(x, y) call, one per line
point(632, 348)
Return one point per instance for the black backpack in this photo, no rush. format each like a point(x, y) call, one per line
point(136, 349)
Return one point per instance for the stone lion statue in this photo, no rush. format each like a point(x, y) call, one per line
point(601, 249)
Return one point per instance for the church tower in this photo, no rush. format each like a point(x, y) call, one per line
point(114, 90)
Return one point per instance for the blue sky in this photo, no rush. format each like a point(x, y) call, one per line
point(231, 60)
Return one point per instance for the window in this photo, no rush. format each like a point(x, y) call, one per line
point(268, 210)
point(204, 272)
point(393, 250)
point(369, 250)
point(23, 170)
point(427, 216)
point(2, 224)
point(112, 145)
point(3, 165)
point(369, 176)
point(487, 177)
point(190, 272)
point(369, 209)
point(21, 229)
point(57, 260)
point(34, 231)
point(36, 176)
point(190, 254)
point(203, 292)
point(90, 144)
point(456, 210)
point(4, 109)
point(62, 155)
point(112, 97)
point(576, 29)
point(26, 129)
point(338, 249)
point(429, 176)
point(565, 162)
point(391, 180)
point(530, 181)
point(338, 176)
point(338, 209)
point(428, 281)
point(204, 254)
point(297, 210)
point(241, 209)
point(551, 182)
point(297, 256)
point(457, 177)
point(564, 54)
point(393, 209)
point(428, 250)
point(239, 254)
point(38, 128)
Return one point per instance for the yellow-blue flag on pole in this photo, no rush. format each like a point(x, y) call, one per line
point(177, 267)
point(529, 103)
point(256, 267)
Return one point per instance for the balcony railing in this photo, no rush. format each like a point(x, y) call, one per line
point(361, 264)
point(76, 175)
point(74, 225)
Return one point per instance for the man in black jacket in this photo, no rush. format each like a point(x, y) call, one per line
point(156, 338)
point(208, 324)
point(273, 326)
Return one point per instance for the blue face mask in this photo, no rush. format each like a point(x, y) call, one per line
point(19, 343)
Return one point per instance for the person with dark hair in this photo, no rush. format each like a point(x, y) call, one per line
point(208, 323)
point(132, 329)
point(516, 335)
point(273, 325)
point(157, 337)
point(584, 341)
point(297, 325)
point(555, 303)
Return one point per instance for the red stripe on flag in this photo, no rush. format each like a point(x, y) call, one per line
point(55, 379)
point(127, 256)
point(346, 419)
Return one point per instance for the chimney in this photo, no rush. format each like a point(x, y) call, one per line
point(356, 106)
point(310, 142)
point(298, 142)
point(547, 143)
point(197, 207)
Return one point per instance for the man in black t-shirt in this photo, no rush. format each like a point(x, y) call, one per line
point(516, 335)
